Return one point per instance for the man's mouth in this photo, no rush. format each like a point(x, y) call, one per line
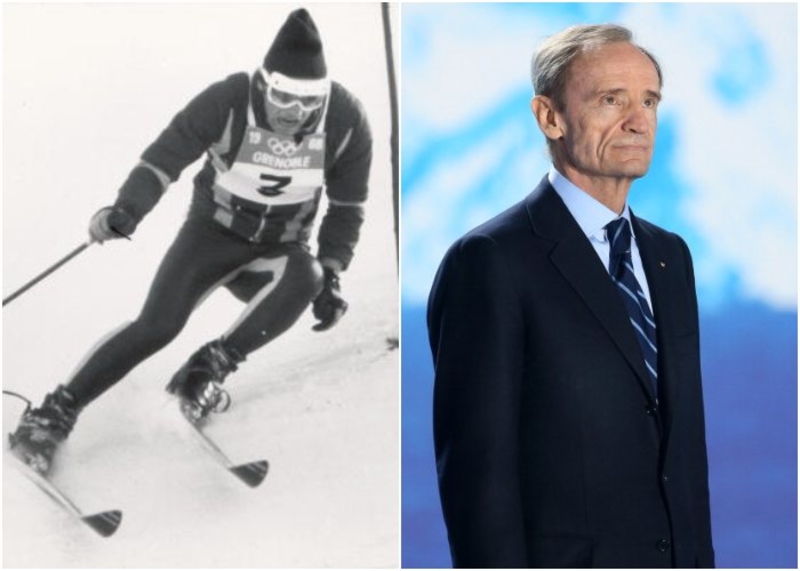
point(633, 145)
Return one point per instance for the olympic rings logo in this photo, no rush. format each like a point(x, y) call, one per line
point(282, 148)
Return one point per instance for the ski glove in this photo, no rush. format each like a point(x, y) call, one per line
point(329, 305)
point(110, 223)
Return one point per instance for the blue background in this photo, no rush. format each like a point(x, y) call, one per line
point(724, 177)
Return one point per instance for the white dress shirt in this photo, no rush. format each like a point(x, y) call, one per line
point(592, 216)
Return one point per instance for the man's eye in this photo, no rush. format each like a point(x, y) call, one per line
point(651, 103)
point(609, 99)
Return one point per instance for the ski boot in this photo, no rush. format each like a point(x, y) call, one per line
point(41, 430)
point(198, 383)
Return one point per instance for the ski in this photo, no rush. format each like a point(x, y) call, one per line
point(103, 523)
point(251, 473)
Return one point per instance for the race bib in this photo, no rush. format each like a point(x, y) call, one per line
point(273, 169)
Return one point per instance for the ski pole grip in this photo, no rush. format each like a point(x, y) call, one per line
point(46, 273)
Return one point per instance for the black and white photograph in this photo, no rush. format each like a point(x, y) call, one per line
point(200, 286)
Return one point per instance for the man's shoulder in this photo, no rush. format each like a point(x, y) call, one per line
point(514, 221)
point(343, 98)
point(503, 225)
point(656, 232)
point(236, 85)
point(662, 242)
point(502, 232)
point(345, 109)
point(231, 91)
point(650, 227)
point(239, 79)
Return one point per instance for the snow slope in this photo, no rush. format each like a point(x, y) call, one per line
point(86, 87)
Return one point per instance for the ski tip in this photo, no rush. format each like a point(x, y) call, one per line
point(105, 523)
point(251, 474)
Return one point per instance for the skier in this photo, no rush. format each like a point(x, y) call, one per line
point(274, 140)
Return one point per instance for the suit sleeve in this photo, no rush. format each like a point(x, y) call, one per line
point(476, 335)
point(702, 504)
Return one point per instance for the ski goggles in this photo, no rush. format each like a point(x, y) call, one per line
point(285, 100)
point(285, 92)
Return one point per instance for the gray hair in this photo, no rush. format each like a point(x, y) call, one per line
point(551, 62)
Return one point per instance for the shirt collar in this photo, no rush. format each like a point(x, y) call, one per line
point(590, 214)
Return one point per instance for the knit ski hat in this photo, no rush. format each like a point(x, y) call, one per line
point(297, 49)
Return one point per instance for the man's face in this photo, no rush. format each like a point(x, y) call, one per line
point(609, 119)
point(288, 112)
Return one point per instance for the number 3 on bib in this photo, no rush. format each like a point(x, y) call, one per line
point(276, 184)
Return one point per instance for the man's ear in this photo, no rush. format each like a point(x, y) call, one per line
point(545, 113)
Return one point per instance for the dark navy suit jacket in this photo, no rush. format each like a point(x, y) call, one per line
point(552, 449)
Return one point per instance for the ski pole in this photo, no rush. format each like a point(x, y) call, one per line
point(47, 272)
point(395, 135)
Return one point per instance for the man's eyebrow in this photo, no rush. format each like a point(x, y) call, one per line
point(656, 94)
point(617, 90)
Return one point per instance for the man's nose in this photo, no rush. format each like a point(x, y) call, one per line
point(296, 110)
point(637, 120)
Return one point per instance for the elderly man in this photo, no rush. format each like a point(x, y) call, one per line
point(273, 140)
point(568, 408)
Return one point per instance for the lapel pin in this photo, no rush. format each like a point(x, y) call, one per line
point(662, 264)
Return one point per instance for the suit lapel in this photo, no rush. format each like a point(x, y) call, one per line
point(577, 261)
point(659, 276)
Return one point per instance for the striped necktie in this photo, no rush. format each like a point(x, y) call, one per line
point(621, 270)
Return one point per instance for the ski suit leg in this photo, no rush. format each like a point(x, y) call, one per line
point(202, 258)
point(278, 287)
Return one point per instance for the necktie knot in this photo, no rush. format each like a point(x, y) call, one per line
point(618, 232)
